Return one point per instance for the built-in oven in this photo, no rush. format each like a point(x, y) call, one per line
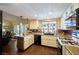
point(59, 50)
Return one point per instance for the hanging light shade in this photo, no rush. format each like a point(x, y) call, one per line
point(21, 26)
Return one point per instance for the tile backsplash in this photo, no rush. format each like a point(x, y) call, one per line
point(66, 34)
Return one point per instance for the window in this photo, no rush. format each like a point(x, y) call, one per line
point(48, 27)
point(20, 29)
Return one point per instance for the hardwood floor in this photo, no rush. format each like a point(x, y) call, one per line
point(39, 50)
point(33, 50)
point(11, 49)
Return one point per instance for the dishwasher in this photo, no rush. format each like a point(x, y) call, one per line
point(37, 39)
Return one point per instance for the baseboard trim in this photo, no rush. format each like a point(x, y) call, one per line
point(21, 50)
point(49, 46)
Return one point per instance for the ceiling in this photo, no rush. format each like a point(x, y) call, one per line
point(35, 10)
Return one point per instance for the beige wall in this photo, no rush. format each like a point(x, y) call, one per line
point(58, 21)
point(10, 20)
point(9, 17)
point(7, 24)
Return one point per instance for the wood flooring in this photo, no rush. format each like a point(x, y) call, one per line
point(11, 49)
point(39, 50)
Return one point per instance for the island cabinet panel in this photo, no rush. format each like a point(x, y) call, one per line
point(49, 40)
point(24, 43)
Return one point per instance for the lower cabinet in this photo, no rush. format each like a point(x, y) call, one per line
point(25, 42)
point(66, 51)
point(49, 40)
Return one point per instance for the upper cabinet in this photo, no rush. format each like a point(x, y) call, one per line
point(70, 21)
point(34, 24)
point(69, 17)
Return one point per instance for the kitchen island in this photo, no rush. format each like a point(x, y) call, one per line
point(23, 42)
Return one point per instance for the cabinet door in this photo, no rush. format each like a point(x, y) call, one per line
point(32, 39)
point(26, 44)
point(49, 41)
point(44, 40)
point(28, 41)
point(34, 24)
point(52, 41)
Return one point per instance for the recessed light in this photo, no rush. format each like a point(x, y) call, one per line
point(50, 13)
point(35, 15)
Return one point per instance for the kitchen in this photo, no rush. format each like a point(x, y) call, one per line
point(58, 33)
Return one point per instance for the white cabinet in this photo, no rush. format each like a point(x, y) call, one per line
point(48, 40)
point(28, 41)
point(65, 51)
point(25, 42)
point(34, 24)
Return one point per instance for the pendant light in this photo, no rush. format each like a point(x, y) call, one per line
point(21, 30)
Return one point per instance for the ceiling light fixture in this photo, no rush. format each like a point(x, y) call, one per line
point(50, 13)
point(35, 15)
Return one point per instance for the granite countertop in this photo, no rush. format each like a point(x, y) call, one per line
point(73, 50)
point(66, 42)
point(38, 33)
point(41, 33)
